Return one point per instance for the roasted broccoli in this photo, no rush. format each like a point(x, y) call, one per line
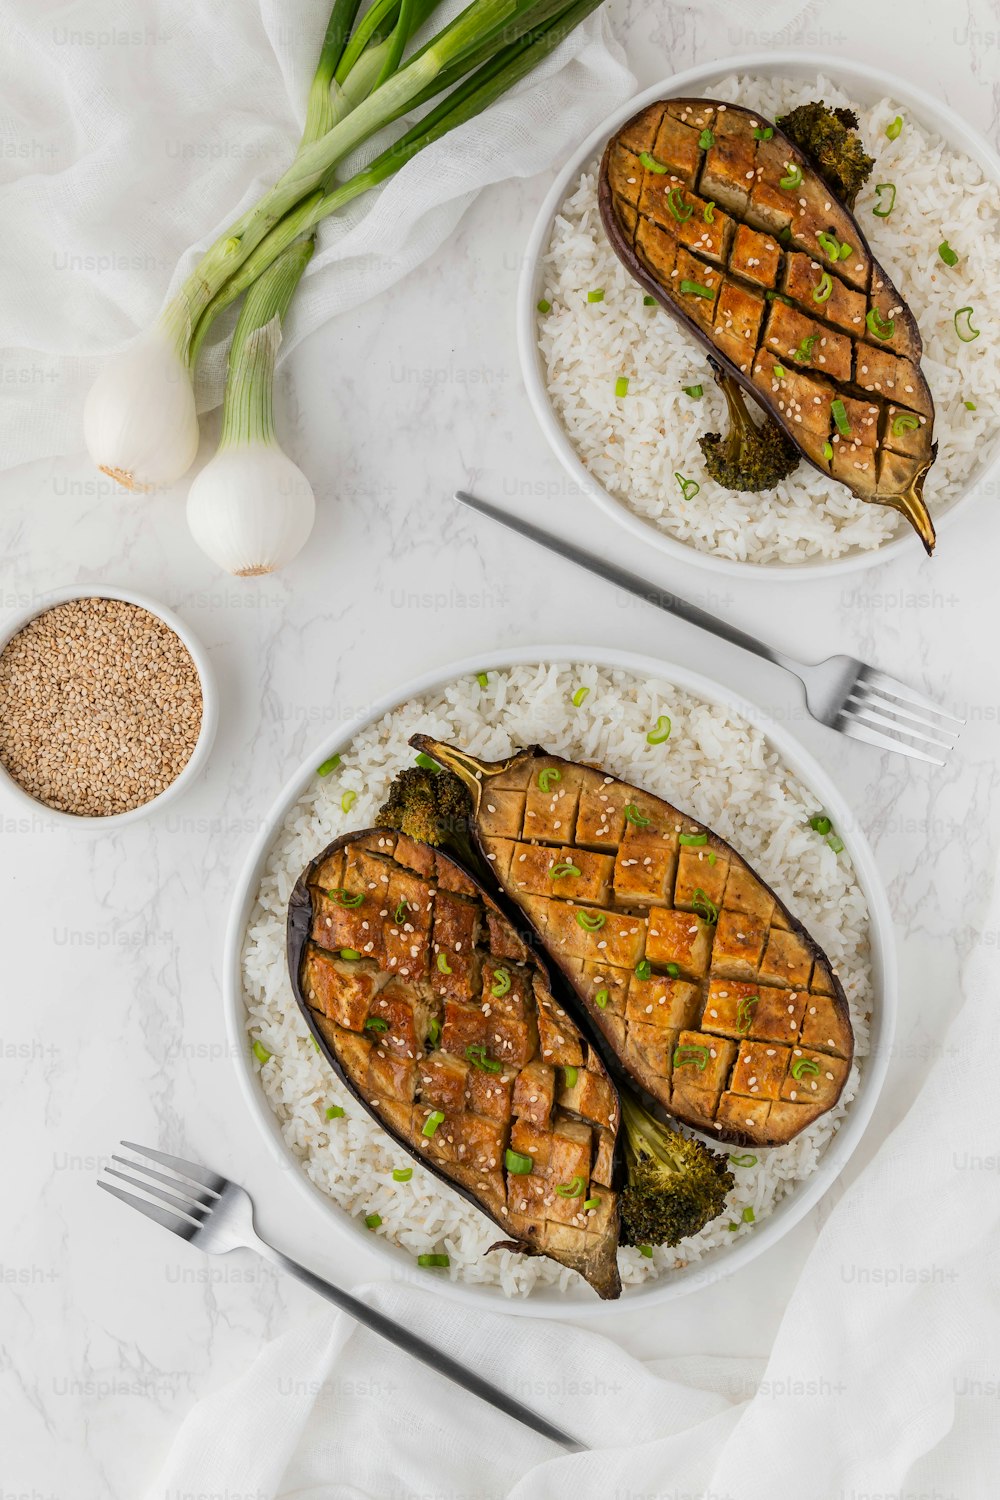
point(830, 138)
point(431, 806)
point(675, 1184)
point(749, 457)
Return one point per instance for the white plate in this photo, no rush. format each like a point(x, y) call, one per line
point(865, 84)
point(791, 1209)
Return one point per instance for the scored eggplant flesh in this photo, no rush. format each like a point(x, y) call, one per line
point(737, 235)
point(710, 994)
point(442, 1024)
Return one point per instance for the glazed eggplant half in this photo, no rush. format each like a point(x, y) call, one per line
point(442, 1024)
point(729, 225)
point(706, 989)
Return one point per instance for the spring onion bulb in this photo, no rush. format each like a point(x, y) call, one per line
point(139, 421)
point(251, 508)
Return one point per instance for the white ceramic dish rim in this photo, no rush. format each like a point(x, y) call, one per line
point(573, 1303)
point(873, 82)
point(209, 710)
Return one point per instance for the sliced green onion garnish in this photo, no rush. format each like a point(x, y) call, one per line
point(674, 970)
point(646, 1250)
point(501, 983)
point(778, 297)
point(846, 250)
point(444, 967)
point(793, 177)
point(601, 999)
point(691, 1057)
point(621, 386)
point(350, 955)
point(315, 1043)
point(591, 1202)
point(829, 243)
point(711, 858)
point(343, 898)
point(780, 371)
point(828, 451)
point(824, 288)
point(969, 332)
point(692, 840)
point(763, 133)
point(483, 678)
point(688, 487)
point(477, 1056)
point(708, 212)
point(643, 969)
point(433, 1260)
point(402, 1174)
point(348, 800)
point(426, 763)
point(376, 1024)
point(706, 140)
point(882, 328)
point(591, 921)
point(838, 412)
point(675, 202)
point(804, 352)
point(579, 696)
point(748, 1215)
point(648, 301)
point(836, 843)
point(705, 908)
point(635, 817)
point(433, 1120)
point(570, 1074)
point(372, 1221)
point(334, 1111)
point(434, 1031)
point(548, 777)
point(543, 305)
point(785, 235)
point(661, 733)
point(651, 164)
point(970, 406)
point(328, 766)
point(399, 915)
point(573, 1189)
point(744, 1012)
point(597, 295)
point(746, 1160)
point(893, 131)
point(804, 1067)
point(694, 391)
point(820, 824)
point(261, 1053)
point(904, 422)
point(517, 1164)
point(879, 211)
point(696, 289)
point(562, 869)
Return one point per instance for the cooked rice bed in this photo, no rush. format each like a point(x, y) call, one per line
point(635, 445)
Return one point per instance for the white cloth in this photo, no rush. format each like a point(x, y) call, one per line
point(134, 134)
point(882, 1381)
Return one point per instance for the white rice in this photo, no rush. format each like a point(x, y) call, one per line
point(635, 445)
point(715, 766)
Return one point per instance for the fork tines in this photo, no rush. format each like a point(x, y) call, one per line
point(195, 1190)
point(883, 712)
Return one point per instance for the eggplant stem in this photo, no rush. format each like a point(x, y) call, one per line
point(470, 771)
point(911, 505)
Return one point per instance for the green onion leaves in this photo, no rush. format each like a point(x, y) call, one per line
point(562, 869)
point(691, 1057)
point(343, 898)
point(518, 1164)
point(681, 211)
point(894, 130)
point(838, 412)
point(882, 210)
point(572, 1189)
point(692, 840)
point(261, 1053)
point(661, 733)
point(501, 983)
point(591, 921)
point(964, 326)
point(444, 967)
point(621, 386)
point(348, 800)
point(905, 421)
point(824, 288)
point(328, 766)
point(597, 295)
point(601, 998)
point(579, 696)
point(548, 778)
point(433, 1120)
point(651, 164)
point(694, 391)
point(793, 176)
point(688, 487)
point(635, 817)
point(882, 328)
point(644, 969)
point(697, 289)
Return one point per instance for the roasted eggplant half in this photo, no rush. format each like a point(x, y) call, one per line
point(726, 222)
point(707, 990)
point(442, 1023)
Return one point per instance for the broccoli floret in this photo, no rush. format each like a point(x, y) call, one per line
point(749, 457)
point(431, 806)
point(675, 1184)
point(830, 137)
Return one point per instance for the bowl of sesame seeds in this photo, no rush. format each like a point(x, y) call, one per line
point(107, 706)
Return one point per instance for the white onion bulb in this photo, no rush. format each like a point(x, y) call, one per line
point(251, 509)
point(139, 420)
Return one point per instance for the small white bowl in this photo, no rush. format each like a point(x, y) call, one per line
point(863, 83)
point(209, 706)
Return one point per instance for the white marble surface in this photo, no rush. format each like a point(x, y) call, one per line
point(112, 1023)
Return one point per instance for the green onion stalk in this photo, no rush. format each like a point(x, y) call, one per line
point(140, 421)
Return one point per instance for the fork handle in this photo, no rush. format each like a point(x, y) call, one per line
point(671, 604)
point(396, 1334)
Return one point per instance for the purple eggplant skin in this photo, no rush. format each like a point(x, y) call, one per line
point(893, 472)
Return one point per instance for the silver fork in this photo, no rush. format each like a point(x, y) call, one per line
point(842, 692)
point(217, 1215)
